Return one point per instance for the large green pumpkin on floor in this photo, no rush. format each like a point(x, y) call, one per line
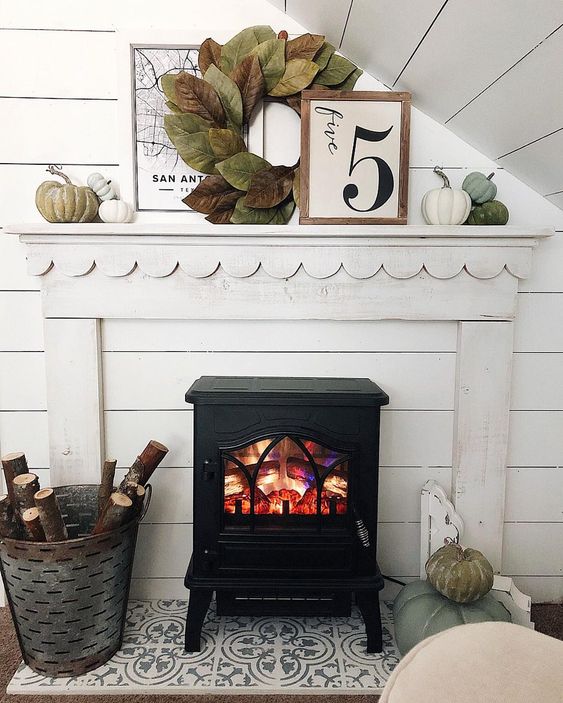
point(491, 213)
point(462, 575)
point(419, 611)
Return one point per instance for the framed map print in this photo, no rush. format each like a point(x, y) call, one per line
point(154, 179)
point(354, 157)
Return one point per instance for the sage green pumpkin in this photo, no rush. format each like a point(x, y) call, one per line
point(479, 187)
point(419, 611)
point(491, 213)
point(462, 575)
point(65, 202)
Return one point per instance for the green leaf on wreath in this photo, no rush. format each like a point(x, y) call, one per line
point(299, 73)
point(180, 124)
point(323, 55)
point(195, 150)
point(271, 55)
point(172, 106)
point(284, 213)
point(228, 93)
point(168, 85)
point(244, 215)
point(235, 50)
point(239, 169)
point(225, 143)
point(350, 82)
point(337, 70)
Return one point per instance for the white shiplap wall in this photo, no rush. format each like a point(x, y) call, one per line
point(63, 108)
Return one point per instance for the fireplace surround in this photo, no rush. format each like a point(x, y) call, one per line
point(285, 498)
point(468, 274)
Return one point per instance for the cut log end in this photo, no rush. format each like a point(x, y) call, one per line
point(32, 524)
point(116, 512)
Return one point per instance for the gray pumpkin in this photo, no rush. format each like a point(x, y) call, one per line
point(479, 187)
point(419, 611)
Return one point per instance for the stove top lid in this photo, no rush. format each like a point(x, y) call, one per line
point(272, 389)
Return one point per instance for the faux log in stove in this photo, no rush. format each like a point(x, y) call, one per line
point(285, 499)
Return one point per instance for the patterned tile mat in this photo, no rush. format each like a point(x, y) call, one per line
point(240, 655)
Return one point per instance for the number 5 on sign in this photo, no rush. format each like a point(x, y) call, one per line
point(354, 157)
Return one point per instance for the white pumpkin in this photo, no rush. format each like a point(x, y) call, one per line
point(115, 211)
point(446, 205)
point(101, 186)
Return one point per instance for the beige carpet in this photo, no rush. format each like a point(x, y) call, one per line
point(548, 619)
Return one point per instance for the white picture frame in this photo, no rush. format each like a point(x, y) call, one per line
point(133, 184)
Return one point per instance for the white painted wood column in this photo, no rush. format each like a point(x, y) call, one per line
point(74, 399)
point(482, 403)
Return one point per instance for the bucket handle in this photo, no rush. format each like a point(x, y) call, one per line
point(146, 502)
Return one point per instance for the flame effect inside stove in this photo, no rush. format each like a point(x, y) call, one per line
point(284, 479)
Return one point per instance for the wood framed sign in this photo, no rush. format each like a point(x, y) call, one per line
point(354, 157)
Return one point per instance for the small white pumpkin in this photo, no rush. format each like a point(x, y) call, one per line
point(101, 186)
point(446, 205)
point(115, 211)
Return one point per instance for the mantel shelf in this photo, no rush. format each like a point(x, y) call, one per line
point(359, 252)
point(303, 233)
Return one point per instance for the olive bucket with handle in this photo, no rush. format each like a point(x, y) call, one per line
point(69, 599)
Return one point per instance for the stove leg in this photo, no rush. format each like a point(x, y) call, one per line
point(368, 603)
point(200, 598)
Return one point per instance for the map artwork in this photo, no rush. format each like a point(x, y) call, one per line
point(162, 178)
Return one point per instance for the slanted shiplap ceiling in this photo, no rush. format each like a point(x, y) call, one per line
point(491, 70)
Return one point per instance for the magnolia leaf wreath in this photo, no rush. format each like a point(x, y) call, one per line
point(208, 117)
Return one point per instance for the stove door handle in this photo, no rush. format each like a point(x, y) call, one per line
point(209, 470)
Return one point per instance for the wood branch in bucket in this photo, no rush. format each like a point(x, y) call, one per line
point(144, 465)
point(50, 515)
point(9, 523)
point(13, 465)
point(25, 487)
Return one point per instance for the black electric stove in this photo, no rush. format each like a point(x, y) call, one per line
point(285, 498)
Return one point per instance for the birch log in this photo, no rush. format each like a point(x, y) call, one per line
point(13, 464)
point(32, 525)
point(115, 513)
point(25, 487)
point(106, 485)
point(9, 525)
point(50, 515)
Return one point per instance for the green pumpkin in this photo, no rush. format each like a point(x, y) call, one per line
point(491, 213)
point(419, 611)
point(462, 575)
point(65, 202)
point(479, 187)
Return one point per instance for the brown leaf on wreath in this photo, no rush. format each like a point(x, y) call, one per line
point(221, 216)
point(250, 81)
point(200, 98)
point(303, 47)
point(294, 101)
point(209, 53)
point(212, 193)
point(269, 187)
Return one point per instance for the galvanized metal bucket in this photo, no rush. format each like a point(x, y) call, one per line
point(69, 599)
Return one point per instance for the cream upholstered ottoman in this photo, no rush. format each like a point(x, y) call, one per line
point(488, 662)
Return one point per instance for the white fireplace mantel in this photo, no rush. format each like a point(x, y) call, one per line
point(467, 274)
